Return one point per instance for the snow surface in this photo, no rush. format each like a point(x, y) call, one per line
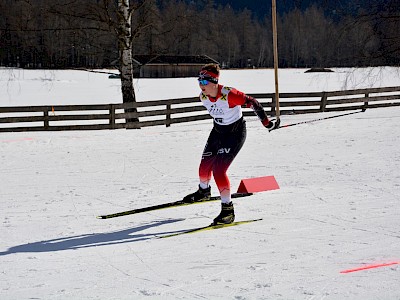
point(337, 207)
point(20, 87)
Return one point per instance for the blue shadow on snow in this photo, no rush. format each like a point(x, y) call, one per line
point(91, 240)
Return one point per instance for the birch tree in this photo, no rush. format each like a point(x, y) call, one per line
point(124, 31)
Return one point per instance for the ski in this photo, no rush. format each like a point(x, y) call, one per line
point(209, 227)
point(166, 205)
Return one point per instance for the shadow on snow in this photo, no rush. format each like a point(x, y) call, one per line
point(92, 240)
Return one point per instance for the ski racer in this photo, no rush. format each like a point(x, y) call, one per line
point(226, 137)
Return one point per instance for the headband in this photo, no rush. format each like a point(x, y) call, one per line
point(208, 75)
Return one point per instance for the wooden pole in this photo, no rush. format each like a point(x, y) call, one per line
point(275, 43)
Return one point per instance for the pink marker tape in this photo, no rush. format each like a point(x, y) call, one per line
point(17, 140)
point(369, 267)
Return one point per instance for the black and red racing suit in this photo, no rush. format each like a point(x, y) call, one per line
point(227, 136)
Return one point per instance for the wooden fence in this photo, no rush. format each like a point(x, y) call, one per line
point(167, 112)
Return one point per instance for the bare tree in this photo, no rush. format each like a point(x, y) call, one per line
point(97, 33)
point(127, 31)
point(118, 19)
point(125, 41)
point(384, 19)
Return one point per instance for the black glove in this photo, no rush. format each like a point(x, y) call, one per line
point(273, 124)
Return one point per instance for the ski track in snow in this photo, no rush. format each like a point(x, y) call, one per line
point(336, 209)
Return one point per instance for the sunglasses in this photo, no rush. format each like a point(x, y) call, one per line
point(203, 81)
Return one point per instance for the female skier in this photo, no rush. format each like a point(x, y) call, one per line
point(226, 138)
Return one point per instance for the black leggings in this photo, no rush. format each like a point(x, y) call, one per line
point(223, 144)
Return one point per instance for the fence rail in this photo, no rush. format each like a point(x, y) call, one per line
point(173, 111)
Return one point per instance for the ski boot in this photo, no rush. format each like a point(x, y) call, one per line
point(226, 216)
point(198, 196)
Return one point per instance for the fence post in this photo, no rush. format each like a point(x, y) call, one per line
point(324, 99)
point(46, 118)
point(112, 116)
point(273, 105)
point(365, 106)
point(168, 115)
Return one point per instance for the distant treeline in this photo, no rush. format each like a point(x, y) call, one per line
point(84, 33)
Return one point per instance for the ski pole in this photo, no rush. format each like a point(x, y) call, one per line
point(320, 119)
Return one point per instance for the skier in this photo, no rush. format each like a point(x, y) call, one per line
point(226, 138)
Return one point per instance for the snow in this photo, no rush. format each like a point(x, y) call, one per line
point(20, 87)
point(337, 207)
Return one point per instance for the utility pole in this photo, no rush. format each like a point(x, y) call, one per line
point(276, 66)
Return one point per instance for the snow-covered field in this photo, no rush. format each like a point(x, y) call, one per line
point(337, 207)
point(19, 87)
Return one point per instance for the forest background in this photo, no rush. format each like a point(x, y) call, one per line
point(238, 34)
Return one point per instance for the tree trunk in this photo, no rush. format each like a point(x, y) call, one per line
point(125, 60)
